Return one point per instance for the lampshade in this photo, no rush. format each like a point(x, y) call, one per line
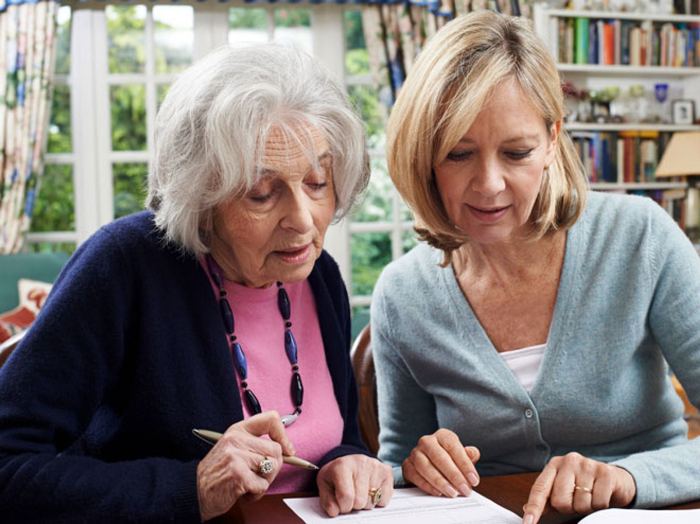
point(681, 157)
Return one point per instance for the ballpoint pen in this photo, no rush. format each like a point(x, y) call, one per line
point(212, 437)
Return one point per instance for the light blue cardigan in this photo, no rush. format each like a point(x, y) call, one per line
point(628, 301)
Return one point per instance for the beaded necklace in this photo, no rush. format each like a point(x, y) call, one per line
point(296, 387)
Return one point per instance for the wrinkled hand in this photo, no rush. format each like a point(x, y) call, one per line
point(344, 484)
point(441, 465)
point(576, 484)
point(230, 469)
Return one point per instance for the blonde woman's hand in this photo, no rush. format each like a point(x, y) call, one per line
point(231, 468)
point(344, 484)
point(576, 484)
point(441, 465)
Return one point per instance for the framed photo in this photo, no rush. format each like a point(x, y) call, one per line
point(683, 111)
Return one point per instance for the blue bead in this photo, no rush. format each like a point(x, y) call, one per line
point(283, 303)
point(290, 346)
point(240, 361)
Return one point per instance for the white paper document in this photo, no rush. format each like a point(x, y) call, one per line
point(412, 506)
point(643, 516)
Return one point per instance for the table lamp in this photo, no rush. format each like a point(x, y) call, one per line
point(682, 158)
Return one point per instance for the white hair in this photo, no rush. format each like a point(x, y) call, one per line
point(211, 130)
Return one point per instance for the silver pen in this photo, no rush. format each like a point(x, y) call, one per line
point(212, 437)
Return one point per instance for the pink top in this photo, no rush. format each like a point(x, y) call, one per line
point(260, 331)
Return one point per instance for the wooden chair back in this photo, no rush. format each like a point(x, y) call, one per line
point(363, 366)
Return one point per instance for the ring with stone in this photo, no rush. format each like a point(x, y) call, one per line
point(265, 467)
point(375, 495)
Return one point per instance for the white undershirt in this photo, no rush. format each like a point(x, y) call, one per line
point(525, 364)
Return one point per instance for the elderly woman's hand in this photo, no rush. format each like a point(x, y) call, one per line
point(576, 484)
point(232, 467)
point(441, 465)
point(352, 482)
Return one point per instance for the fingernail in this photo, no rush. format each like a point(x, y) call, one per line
point(529, 519)
point(464, 490)
point(473, 478)
point(451, 492)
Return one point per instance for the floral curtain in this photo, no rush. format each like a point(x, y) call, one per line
point(27, 49)
point(395, 32)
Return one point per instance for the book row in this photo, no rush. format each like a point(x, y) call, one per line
point(622, 157)
point(625, 42)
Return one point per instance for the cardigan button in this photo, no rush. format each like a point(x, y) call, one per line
point(529, 413)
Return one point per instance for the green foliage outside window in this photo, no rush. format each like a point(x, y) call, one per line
point(54, 209)
point(370, 253)
point(128, 109)
point(247, 18)
point(292, 18)
point(129, 188)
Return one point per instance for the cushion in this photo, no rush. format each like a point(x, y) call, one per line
point(32, 295)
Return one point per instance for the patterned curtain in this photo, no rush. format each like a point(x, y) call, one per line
point(396, 32)
point(27, 49)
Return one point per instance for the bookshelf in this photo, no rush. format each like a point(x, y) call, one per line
point(627, 52)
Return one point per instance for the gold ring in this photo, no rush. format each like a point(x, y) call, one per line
point(375, 495)
point(582, 488)
point(265, 467)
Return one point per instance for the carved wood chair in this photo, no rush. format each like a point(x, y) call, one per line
point(363, 366)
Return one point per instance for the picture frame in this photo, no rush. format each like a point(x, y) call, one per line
point(683, 112)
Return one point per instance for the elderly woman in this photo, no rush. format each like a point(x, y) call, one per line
point(210, 310)
point(533, 326)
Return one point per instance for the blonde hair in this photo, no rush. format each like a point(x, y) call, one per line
point(448, 85)
point(212, 127)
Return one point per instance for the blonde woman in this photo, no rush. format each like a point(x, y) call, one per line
point(531, 329)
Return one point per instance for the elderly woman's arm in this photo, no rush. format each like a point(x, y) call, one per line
point(68, 366)
point(348, 471)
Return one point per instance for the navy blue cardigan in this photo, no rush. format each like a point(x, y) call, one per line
point(98, 403)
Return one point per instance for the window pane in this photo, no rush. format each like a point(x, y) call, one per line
point(356, 56)
point(408, 241)
point(161, 91)
point(125, 32)
point(54, 207)
point(293, 27)
point(129, 188)
point(406, 214)
point(377, 204)
point(370, 253)
point(247, 26)
point(360, 318)
point(63, 40)
point(365, 100)
point(128, 108)
point(174, 36)
point(52, 247)
point(59, 125)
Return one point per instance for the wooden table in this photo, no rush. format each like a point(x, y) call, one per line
point(509, 491)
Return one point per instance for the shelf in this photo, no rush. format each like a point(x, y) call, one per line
point(581, 126)
point(626, 70)
point(610, 186)
point(654, 17)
